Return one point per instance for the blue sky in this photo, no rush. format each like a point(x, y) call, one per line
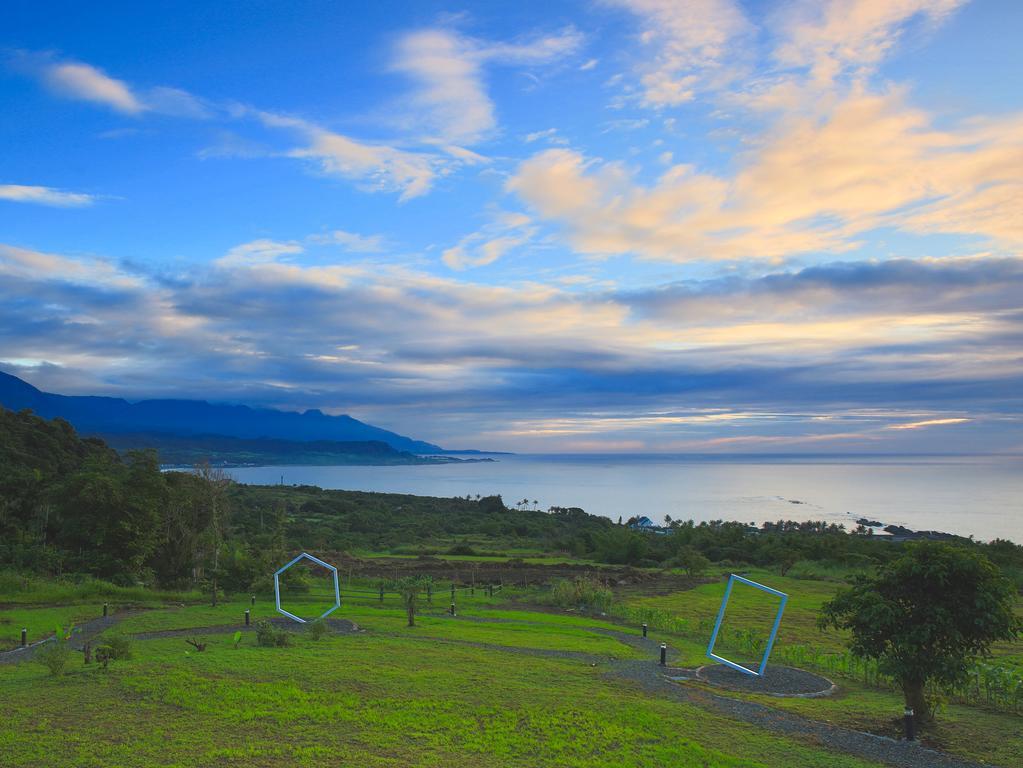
point(628, 225)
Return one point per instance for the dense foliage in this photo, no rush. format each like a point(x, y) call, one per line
point(926, 616)
point(73, 505)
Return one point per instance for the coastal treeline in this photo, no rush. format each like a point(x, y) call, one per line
point(73, 505)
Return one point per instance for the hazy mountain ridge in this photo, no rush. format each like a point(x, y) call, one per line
point(112, 416)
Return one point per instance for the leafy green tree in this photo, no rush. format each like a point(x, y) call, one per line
point(925, 616)
point(692, 561)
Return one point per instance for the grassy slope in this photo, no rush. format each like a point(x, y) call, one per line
point(970, 732)
point(394, 699)
point(396, 696)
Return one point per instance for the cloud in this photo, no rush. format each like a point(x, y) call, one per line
point(21, 193)
point(258, 252)
point(812, 185)
point(838, 37)
point(350, 241)
point(87, 83)
point(485, 246)
point(549, 135)
point(708, 47)
point(688, 47)
point(927, 423)
point(918, 340)
point(451, 100)
point(24, 263)
point(377, 167)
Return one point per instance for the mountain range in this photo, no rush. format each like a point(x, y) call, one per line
point(109, 416)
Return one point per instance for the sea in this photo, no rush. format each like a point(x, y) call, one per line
point(979, 496)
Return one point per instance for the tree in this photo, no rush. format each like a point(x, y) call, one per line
point(925, 616)
point(692, 561)
point(410, 587)
point(213, 484)
point(786, 560)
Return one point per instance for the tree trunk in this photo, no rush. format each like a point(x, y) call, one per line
point(410, 609)
point(913, 691)
point(214, 591)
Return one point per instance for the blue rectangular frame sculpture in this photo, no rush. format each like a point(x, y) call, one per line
point(277, 586)
point(721, 615)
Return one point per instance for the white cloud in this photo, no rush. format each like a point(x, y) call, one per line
point(550, 135)
point(350, 241)
point(377, 167)
point(813, 184)
point(928, 423)
point(21, 193)
point(688, 46)
point(485, 246)
point(451, 101)
point(87, 83)
point(451, 94)
point(257, 252)
point(849, 36)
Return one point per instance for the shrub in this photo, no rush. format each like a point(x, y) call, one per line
point(581, 592)
point(269, 636)
point(55, 656)
point(120, 647)
point(692, 561)
point(318, 629)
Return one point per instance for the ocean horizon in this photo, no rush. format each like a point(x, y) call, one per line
point(975, 495)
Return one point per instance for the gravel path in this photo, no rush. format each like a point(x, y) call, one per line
point(904, 754)
point(83, 633)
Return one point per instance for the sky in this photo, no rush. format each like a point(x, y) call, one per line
point(611, 226)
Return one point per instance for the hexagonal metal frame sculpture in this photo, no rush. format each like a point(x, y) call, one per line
point(732, 578)
point(277, 587)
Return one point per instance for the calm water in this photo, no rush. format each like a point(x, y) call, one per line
point(970, 495)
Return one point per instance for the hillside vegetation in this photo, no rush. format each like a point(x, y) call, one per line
point(74, 505)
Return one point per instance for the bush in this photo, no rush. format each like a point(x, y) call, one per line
point(269, 636)
point(690, 560)
point(318, 629)
point(581, 592)
point(462, 549)
point(119, 647)
point(55, 656)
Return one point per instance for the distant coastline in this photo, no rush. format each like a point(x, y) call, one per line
point(180, 451)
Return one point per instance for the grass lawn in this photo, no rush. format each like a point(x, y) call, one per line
point(370, 700)
point(443, 693)
point(967, 731)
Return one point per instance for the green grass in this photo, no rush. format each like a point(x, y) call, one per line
point(17, 589)
point(443, 693)
point(41, 622)
point(751, 608)
point(967, 732)
point(371, 700)
point(519, 630)
point(971, 732)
